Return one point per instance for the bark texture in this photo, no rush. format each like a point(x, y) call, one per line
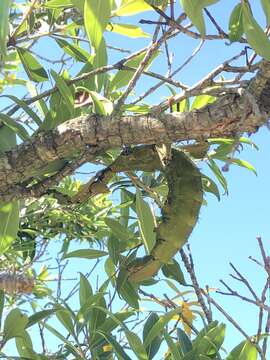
point(82, 139)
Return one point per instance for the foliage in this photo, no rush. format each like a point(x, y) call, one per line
point(108, 230)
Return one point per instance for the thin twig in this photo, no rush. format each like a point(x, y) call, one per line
point(190, 269)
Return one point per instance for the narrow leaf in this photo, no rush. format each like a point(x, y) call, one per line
point(9, 224)
point(14, 126)
point(172, 346)
point(256, 37)
point(129, 30)
point(26, 108)
point(14, 325)
point(245, 350)
point(85, 290)
point(160, 324)
point(119, 352)
point(86, 254)
point(64, 91)
point(118, 230)
point(74, 50)
point(96, 17)
point(4, 25)
point(146, 222)
point(31, 66)
point(266, 9)
point(38, 316)
point(236, 24)
point(132, 7)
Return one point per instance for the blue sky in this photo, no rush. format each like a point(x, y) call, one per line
point(227, 230)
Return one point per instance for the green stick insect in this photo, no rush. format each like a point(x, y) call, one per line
point(179, 216)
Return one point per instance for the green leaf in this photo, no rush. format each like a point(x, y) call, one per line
point(101, 105)
point(26, 108)
point(266, 9)
point(97, 316)
point(110, 324)
point(66, 320)
point(201, 101)
point(14, 325)
point(86, 254)
point(213, 166)
point(245, 350)
point(113, 246)
point(136, 345)
point(7, 138)
point(31, 66)
point(118, 349)
point(156, 2)
point(146, 222)
point(122, 77)
point(84, 312)
point(9, 224)
point(210, 186)
point(64, 91)
point(129, 30)
point(4, 25)
point(173, 271)
point(118, 230)
point(59, 4)
point(38, 316)
point(211, 341)
point(14, 126)
point(2, 303)
point(256, 37)
point(96, 17)
point(243, 163)
point(74, 50)
point(154, 345)
point(85, 290)
point(184, 341)
point(160, 324)
point(128, 292)
point(236, 28)
point(173, 347)
point(67, 343)
point(25, 347)
point(194, 10)
point(132, 7)
point(100, 59)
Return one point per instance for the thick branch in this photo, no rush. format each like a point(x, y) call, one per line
point(229, 115)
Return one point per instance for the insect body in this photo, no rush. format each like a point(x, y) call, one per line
point(179, 216)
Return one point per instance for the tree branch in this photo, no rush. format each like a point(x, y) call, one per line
point(244, 111)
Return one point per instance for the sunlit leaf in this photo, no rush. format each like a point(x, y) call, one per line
point(14, 126)
point(85, 290)
point(160, 324)
point(146, 222)
point(14, 325)
point(132, 7)
point(74, 50)
point(64, 90)
point(129, 30)
point(154, 345)
point(266, 9)
point(86, 254)
point(4, 25)
point(31, 66)
point(256, 37)
point(236, 23)
point(245, 350)
point(96, 17)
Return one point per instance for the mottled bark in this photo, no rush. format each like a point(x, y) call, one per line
point(91, 135)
